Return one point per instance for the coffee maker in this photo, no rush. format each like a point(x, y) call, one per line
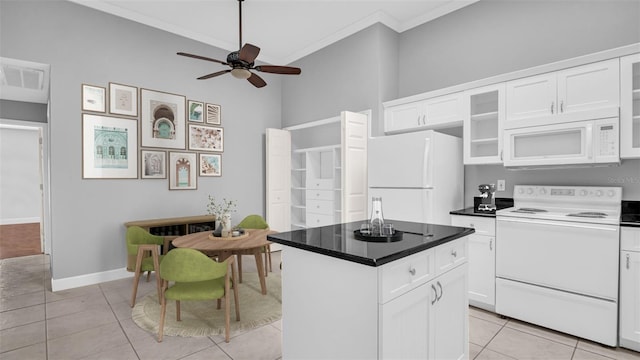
point(486, 202)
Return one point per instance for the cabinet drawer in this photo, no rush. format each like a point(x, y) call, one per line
point(405, 274)
point(320, 184)
point(451, 254)
point(319, 195)
point(483, 226)
point(316, 220)
point(320, 206)
point(629, 238)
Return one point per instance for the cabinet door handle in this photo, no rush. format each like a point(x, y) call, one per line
point(628, 264)
point(419, 119)
point(491, 245)
point(553, 104)
point(440, 286)
point(501, 151)
point(412, 271)
point(435, 293)
point(454, 253)
point(561, 106)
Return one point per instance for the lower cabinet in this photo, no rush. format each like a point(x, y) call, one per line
point(630, 288)
point(405, 309)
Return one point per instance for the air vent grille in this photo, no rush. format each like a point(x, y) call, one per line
point(22, 77)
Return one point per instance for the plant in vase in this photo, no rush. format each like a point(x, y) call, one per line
point(222, 211)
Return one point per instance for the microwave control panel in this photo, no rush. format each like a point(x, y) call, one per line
point(606, 138)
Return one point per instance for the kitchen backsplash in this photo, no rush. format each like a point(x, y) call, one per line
point(627, 176)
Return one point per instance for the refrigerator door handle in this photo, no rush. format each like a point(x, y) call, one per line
point(425, 163)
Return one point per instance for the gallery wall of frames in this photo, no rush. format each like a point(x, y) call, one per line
point(131, 133)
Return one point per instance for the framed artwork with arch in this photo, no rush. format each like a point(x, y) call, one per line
point(162, 122)
point(183, 171)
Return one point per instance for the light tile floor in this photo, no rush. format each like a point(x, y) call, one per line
point(94, 322)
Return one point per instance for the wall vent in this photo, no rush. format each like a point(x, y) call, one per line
point(24, 81)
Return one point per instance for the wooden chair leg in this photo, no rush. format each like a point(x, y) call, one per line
point(163, 312)
point(178, 310)
point(136, 278)
point(235, 291)
point(239, 257)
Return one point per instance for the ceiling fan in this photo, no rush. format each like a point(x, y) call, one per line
point(242, 61)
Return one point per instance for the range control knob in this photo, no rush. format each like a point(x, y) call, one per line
point(543, 191)
point(599, 193)
point(520, 191)
point(529, 191)
point(583, 192)
point(611, 193)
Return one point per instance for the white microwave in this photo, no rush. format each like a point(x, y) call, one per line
point(579, 143)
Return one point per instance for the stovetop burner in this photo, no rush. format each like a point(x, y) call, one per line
point(529, 210)
point(589, 214)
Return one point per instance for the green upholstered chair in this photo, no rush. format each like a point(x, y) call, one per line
point(256, 222)
point(143, 255)
point(195, 276)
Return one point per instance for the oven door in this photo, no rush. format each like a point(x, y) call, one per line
point(575, 257)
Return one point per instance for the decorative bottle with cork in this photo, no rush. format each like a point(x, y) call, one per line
point(377, 220)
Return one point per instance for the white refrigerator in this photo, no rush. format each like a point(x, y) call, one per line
point(419, 176)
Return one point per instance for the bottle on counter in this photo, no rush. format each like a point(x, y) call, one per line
point(377, 220)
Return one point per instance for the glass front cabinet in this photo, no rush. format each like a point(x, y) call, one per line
point(483, 121)
point(630, 106)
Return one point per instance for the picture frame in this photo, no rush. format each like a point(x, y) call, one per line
point(109, 147)
point(153, 164)
point(195, 111)
point(210, 165)
point(182, 168)
point(123, 99)
point(206, 138)
point(163, 120)
point(94, 98)
point(214, 114)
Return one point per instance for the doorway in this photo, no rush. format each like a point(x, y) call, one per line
point(22, 190)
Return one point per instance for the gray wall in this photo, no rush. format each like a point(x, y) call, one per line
point(85, 46)
point(493, 37)
point(353, 74)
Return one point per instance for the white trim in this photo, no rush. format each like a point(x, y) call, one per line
point(15, 221)
point(332, 120)
point(89, 279)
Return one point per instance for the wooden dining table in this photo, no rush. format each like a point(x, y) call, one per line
point(253, 242)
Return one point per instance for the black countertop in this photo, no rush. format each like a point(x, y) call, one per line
point(501, 203)
point(338, 241)
point(630, 213)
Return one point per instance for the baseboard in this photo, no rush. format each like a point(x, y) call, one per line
point(16, 221)
point(89, 279)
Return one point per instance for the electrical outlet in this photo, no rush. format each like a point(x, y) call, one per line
point(501, 185)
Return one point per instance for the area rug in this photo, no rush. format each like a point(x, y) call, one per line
point(202, 318)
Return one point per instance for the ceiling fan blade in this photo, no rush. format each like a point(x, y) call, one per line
point(286, 70)
point(202, 58)
point(249, 53)
point(256, 80)
point(209, 76)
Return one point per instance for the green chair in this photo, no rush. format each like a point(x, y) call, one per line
point(256, 222)
point(143, 255)
point(196, 277)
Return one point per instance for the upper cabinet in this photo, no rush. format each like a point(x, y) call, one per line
point(578, 93)
point(484, 114)
point(440, 111)
point(630, 106)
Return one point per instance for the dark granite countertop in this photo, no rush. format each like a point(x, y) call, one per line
point(338, 241)
point(630, 213)
point(501, 203)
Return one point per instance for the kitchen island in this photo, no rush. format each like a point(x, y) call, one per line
point(352, 299)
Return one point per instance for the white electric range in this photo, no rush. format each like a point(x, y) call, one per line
point(557, 253)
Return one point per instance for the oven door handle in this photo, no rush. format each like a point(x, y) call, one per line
point(560, 223)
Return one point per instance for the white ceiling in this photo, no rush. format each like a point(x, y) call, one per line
point(285, 30)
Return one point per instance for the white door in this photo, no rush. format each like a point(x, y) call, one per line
point(354, 166)
point(594, 88)
point(530, 98)
point(404, 116)
point(482, 270)
point(630, 106)
point(404, 325)
point(448, 316)
point(630, 299)
point(278, 182)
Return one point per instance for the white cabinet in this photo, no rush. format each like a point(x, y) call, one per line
point(328, 182)
point(404, 309)
point(629, 307)
point(579, 93)
point(483, 119)
point(440, 111)
point(482, 260)
point(630, 106)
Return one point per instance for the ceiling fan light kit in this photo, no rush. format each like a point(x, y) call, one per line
point(243, 60)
